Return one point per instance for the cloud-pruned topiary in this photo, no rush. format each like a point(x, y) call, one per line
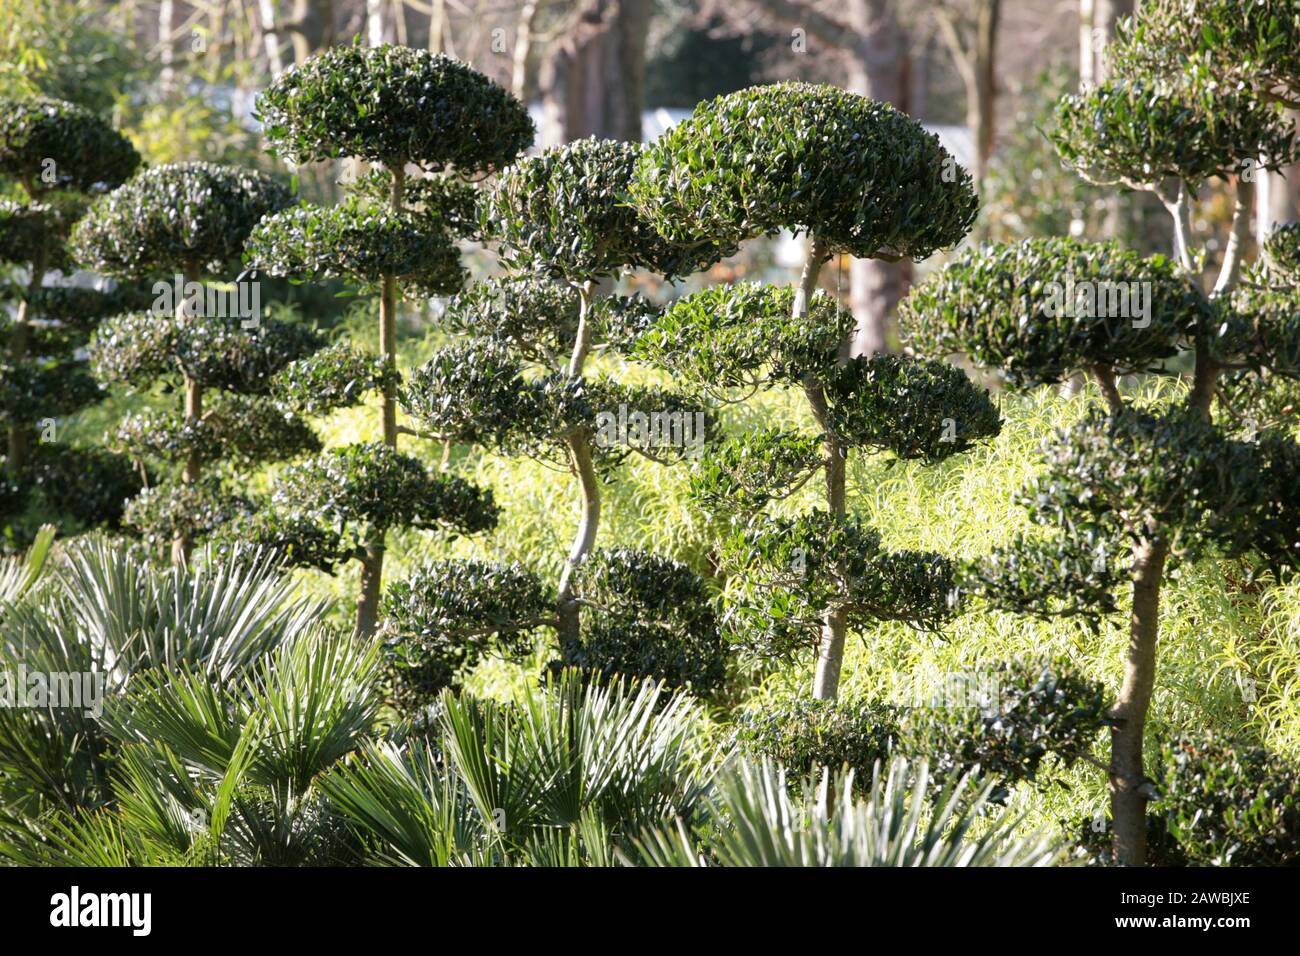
point(190, 220)
point(181, 217)
point(580, 191)
point(790, 576)
point(858, 175)
point(59, 154)
point(49, 145)
point(395, 107)
point(517, 383)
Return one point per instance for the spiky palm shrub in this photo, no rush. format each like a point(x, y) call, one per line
point(903, 820)
point(394, 107)
point(563, 776)
point(1133, 493)
point(862, 179)
point(520, 383)
point(185, 222)
point(105, 613)
point(60, 155)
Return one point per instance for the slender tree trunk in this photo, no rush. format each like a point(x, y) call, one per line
point(981, 108)
point(182, 545)
point(372, 577)
point(582, 460)
point(20, 432)
point(271, 36)
point(372, 565)
point(523, 48)
point(1129, 787)
point(830, 654)
point(166, 49)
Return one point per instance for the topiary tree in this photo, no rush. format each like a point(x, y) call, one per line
point(1153, 486)
point(859, 178)
point(394, 107)
point(59, 154)
point(520, 384)
point(190, 221)
point(1128, 489)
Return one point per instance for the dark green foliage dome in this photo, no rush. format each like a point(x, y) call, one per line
point(337, 376)
point(788, 572)
point(470, 392)
point(86, 152)
point(913, 408)
point(566, 214)
point(1044, 308)
point(448, 615)
point(193, 510)
point(360, 242)
point(736, 336)
point(137, 348)
point(372, 485)
point(233, 428)
point(168, 216)
point(38, 229)
point(1252, 41)
point(89, 485)
point(860, 175)
point(1141, 132)
point(804, 734)
point(1230, 803)
point(393, 105)
point(748, 471)
point(646, 616)
point(31, 390)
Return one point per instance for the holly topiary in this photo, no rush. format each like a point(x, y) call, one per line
point(1229, 803)
point(805, 734)
point(188, 221)
point(328, 509)
point(802, 583)
point(59, 154)
point(449, 615)
point(1127, 492)
point(517, 383)
point(858, 177)
point(395, 107)
point(1031, 710)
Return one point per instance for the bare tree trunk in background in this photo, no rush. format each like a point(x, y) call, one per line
point(973, 46)
point(379, 26)
point(1276, 196)
point(437, 23)
point(270, 36)
point(877, 67)
point(592, 81)
point(523, 47)
point(166, 49)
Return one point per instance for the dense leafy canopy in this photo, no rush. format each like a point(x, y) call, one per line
point(337, 376)
point(787, 573)
point(566, 214)
point(1045, 308)
point(650, 617)
point(169, 217)
point(360, 242)
point(393, 105)
point(740, 335)
point(372, 486)
point(1142, 133)
point(50, 144)
point(859, 175)
point(442, 620)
